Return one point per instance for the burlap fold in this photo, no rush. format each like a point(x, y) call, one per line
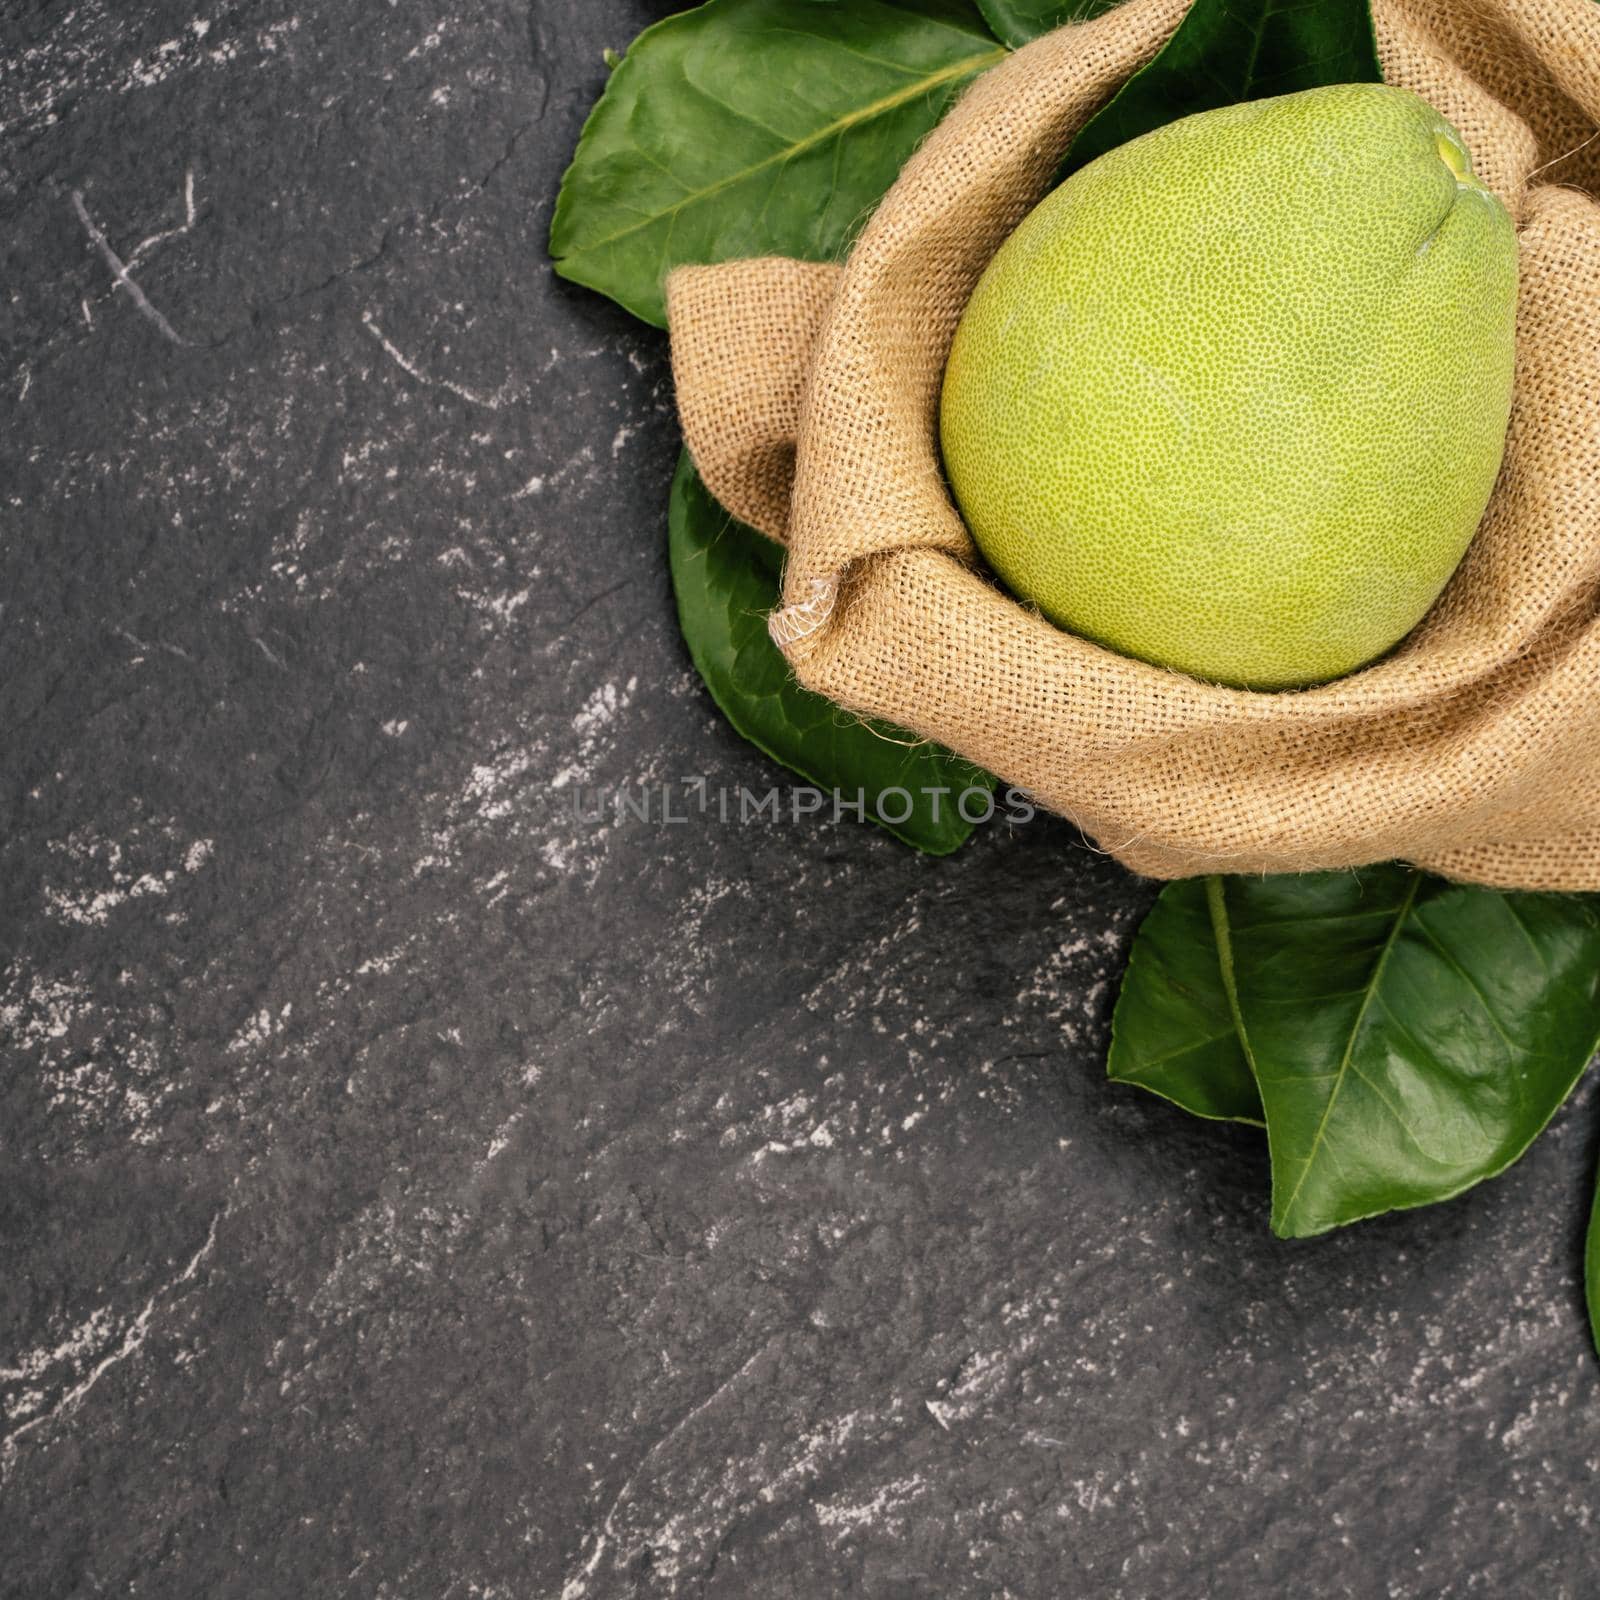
point(809, 401)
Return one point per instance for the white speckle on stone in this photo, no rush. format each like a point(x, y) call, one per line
point(92, 1352)
point(73, 1347)
point(502, 607)
point(498, 1142)
point(263, 1026)
point(846, 1515)
point(105, 880)
point(591, 723)
point(429, 42)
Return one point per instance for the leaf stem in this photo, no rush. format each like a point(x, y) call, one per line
point(1217, 905)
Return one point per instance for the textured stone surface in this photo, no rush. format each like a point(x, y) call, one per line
point(407, 1189)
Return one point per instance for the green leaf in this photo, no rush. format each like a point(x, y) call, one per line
point(755, 127)
point(726, 577)
point(1591, 1269)
point(1225, 51)
point(1173, 1031)
point(1410, 1037)
point(1015, 22)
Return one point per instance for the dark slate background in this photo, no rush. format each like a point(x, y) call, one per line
point(407, 1189)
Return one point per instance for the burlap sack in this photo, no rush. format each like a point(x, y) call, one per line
point(809, 399)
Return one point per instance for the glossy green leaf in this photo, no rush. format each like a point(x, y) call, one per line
point(1225, 51)
point(1409, 1036)
point(726, 578)
point(755, 127)
point(1015, 22)
point(1173, 1030)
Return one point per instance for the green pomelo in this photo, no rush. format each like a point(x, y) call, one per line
point(1232, 399)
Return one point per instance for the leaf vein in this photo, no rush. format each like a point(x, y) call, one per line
point(851, 119)
point(1318, 1137)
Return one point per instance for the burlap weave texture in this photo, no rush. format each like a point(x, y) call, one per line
point(809, 399)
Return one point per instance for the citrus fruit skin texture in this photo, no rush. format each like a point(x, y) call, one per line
point(1232, 398)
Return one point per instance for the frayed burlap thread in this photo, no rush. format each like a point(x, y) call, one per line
point(809, 401)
